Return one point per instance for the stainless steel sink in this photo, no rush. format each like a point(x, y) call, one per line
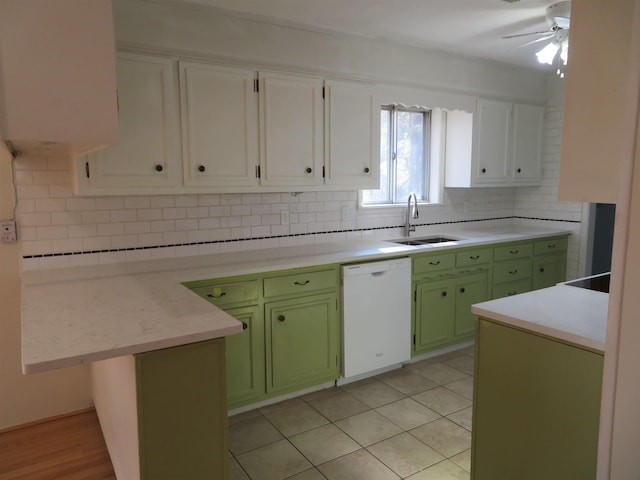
point(424, 240)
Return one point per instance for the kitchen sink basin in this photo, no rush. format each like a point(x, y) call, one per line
point(424, 240)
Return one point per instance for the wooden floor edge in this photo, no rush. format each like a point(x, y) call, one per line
point(46, 419)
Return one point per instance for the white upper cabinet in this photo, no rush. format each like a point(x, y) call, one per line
point(147, 158)
point(500, 146)
point(219, 113)
point(291, 130)
point(352, 135)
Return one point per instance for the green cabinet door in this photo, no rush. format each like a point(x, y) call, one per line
point(182, 412)
point(549, 270)
point(536, 407)
point(245, 358)
point(470, 289)
point(302, 344)
point(435, 305)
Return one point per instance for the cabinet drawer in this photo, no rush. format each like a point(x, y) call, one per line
point(434, 263)
point(300, 283)
point(513, 251)
point(474, 257)
point(222, 294)
point(553, 245)
point(511, 288)
point(510, 271)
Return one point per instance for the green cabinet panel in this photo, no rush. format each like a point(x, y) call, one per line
point(469, 290)
point(245, 358)
point(435, 307)
point(549, 270)
point(509, 271)
point(513, 251)
point(302, 342)
point(300, 283)
point(472, 257)
point(224, 294)
point(182, 412)
point(551, 245)
point(536, 407)
point(433, 262)
point(511, 288)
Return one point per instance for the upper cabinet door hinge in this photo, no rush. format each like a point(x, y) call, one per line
point(323, 175)
point(322, 92)
point(257, 171)
point(87, 170)
point(256, 85)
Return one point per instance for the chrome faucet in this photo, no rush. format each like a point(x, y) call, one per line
point(408, 228)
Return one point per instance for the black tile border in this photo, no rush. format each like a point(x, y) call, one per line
point(270, 237)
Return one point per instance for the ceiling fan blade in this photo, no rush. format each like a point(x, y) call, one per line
point(527, 34)
point(536, 41)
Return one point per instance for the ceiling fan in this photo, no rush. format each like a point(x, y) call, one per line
point(558, 18)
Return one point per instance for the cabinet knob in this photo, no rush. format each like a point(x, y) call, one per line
point(513, 272)
point(462, 290)
point(309, 169)
point(474, 257)
point(201, 168)
point(434, 263)
point(302, 284)
point(281, 318)
point(484, 170)
point(159, 168)
point(366, 170)
point(514, 252)
point(444, 294)
point(541, 269)
point(244, 326)
point(518, 170)
point(551, 245)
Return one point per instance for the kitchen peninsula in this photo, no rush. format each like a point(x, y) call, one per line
point(143, 332)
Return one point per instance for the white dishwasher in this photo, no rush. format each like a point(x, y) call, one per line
point(376, 315)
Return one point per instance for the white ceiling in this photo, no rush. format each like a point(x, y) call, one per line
point(472, 27)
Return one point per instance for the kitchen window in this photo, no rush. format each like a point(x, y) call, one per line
point(404, 156)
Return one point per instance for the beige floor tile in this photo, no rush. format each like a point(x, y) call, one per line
point(324, 443)
point(338, 405)
point(376, 394)
point(274, 462)
point(251, 433)
point(463, 460)
point(408, 413)
point(405, 454)
point(368, 427)
point(444, 436)
point(445, 470)
point(462, 387)
point(360, 465)
point(442, 400)
point(441, 373)
point(462, 362)
point(235, 471)
point(293, 416)
point(325, 392)
point(462, 418)
point(241, 417)
point(408, 382)
point(312, 474)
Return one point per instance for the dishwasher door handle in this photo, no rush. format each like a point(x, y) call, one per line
point(378, 274)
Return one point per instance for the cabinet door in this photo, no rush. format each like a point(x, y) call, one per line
point(548, 270)
point(182, 412)
point(245, 358)
point(302, 342)
point(291, 129)
point(492, 141)
point(469, 290)
point(146, 159)
point(352, 132)
point(528, 128)
point(219, 125)
point(435, 305)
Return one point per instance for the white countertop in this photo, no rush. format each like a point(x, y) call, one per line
point(571, 314)
point(78, 315)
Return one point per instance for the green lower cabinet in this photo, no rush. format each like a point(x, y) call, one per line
point(302, 342)
point(182, 412)
point(245, 358)
point(548, 270)
point(469, 290)
point(536, 407)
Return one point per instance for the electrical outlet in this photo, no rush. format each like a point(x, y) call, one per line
point(8, 231)
point(284, 217)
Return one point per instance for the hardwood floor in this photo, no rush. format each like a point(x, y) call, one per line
point(65, 448)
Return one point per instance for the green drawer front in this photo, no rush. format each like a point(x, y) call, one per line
point(511, 288)
point(434, 263)
point(552, 245)
point(223, 294)
point(474, 257)
point(510, 271)
point(513, 251)
point(300, 283)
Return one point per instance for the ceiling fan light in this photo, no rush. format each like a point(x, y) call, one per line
point(548, 53)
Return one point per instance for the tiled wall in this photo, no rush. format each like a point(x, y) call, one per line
point(59, 229)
